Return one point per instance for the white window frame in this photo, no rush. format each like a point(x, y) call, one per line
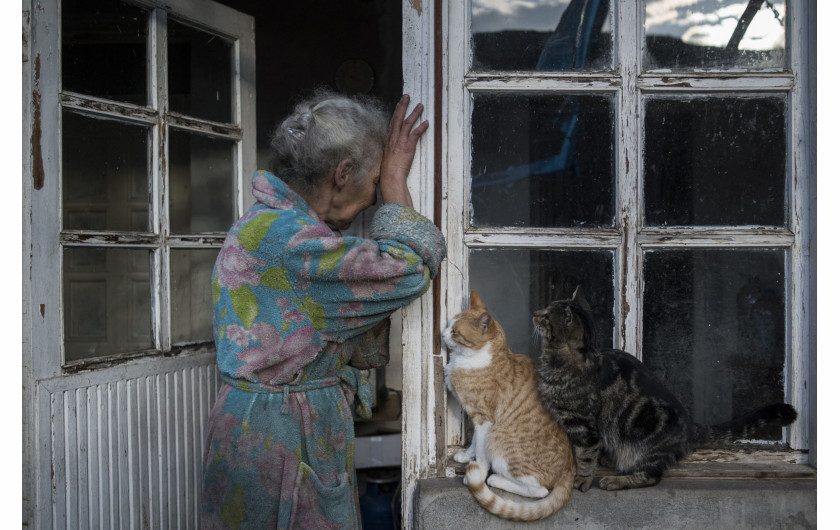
point(47, 236)
point(433, 424)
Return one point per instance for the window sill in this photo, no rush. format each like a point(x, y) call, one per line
point(701, 495)
point(748, 462)
point(109, 361)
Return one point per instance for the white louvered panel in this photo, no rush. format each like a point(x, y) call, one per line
point(128, 453)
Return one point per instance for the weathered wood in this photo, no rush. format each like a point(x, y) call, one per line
point(418, 445)
point(116, 442)
point(802, 192)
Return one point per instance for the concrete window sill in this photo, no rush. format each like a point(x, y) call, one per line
point(727, 496)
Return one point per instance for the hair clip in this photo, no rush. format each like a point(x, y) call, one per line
point(296, 133)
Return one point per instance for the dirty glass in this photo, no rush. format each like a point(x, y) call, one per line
point(543, 161)
point(200, 73)
point(554, 35)
point(714, 34)
point(715, 161)
point(515, 282)
point(105, 174)
point(192, 304)
point(104, 50)
point(107, 302)
point(714, 329)
point(201, 183)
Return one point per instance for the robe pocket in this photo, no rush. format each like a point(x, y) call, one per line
point(317, 504)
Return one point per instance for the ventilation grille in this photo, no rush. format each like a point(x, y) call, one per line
point(128, 454)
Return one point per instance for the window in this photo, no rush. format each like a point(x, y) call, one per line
point(650, 153)
point(156, 135)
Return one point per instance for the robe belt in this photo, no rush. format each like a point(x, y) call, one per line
point(357, 388)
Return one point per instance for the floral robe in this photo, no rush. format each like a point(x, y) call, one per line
point(298, 311)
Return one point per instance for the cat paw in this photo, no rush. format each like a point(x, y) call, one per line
point(611, 483)
point(623, 482)
point(462, 457)
point(492, 481)
point(583, 483)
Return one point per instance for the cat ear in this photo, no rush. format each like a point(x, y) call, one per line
point(484, 321)
point(579, 299)
point(476, 302)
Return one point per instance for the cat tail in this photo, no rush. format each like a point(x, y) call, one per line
point(746, 426)
point(513, 510)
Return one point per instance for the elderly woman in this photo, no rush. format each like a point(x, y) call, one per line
point(299, 310)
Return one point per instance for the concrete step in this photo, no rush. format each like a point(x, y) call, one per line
point(676, 502)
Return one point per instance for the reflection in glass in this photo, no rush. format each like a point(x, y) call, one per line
point(558, 35)
point(715, 161)
point(200, 183)
point(714, 329)
point(516, 282)
point(103, 49)
point(200, 77)
point(107, 302)
point(542, 161)
point(105, 174)
point(714, 34)
point(192, 317)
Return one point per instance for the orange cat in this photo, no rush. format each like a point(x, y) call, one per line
point(514, 435)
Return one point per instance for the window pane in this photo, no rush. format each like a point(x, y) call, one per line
point(192, 305)
point(107, 302)
point(542, 160)
point(201, 183)
point(105, 174)
point(103, 49)
point(516, 282)
point(715, 161)
point(541, 35)
point(714, 329)
point(714, 34)
point(200, 76)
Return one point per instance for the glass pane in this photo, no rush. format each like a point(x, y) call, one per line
point(542, 160)
point(516, 282)
point(103, 49)
point(714, 34)
point(714, 329)
point(541, 35)
point(715, 161)
point(107, 302)
point(201, 180)
point(192, 304)
point(200, 77)
point(105, 174)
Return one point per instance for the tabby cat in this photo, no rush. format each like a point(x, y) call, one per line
point(514, 435)
point(611, 405)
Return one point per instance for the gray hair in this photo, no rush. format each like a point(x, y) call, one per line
point(324, 130)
